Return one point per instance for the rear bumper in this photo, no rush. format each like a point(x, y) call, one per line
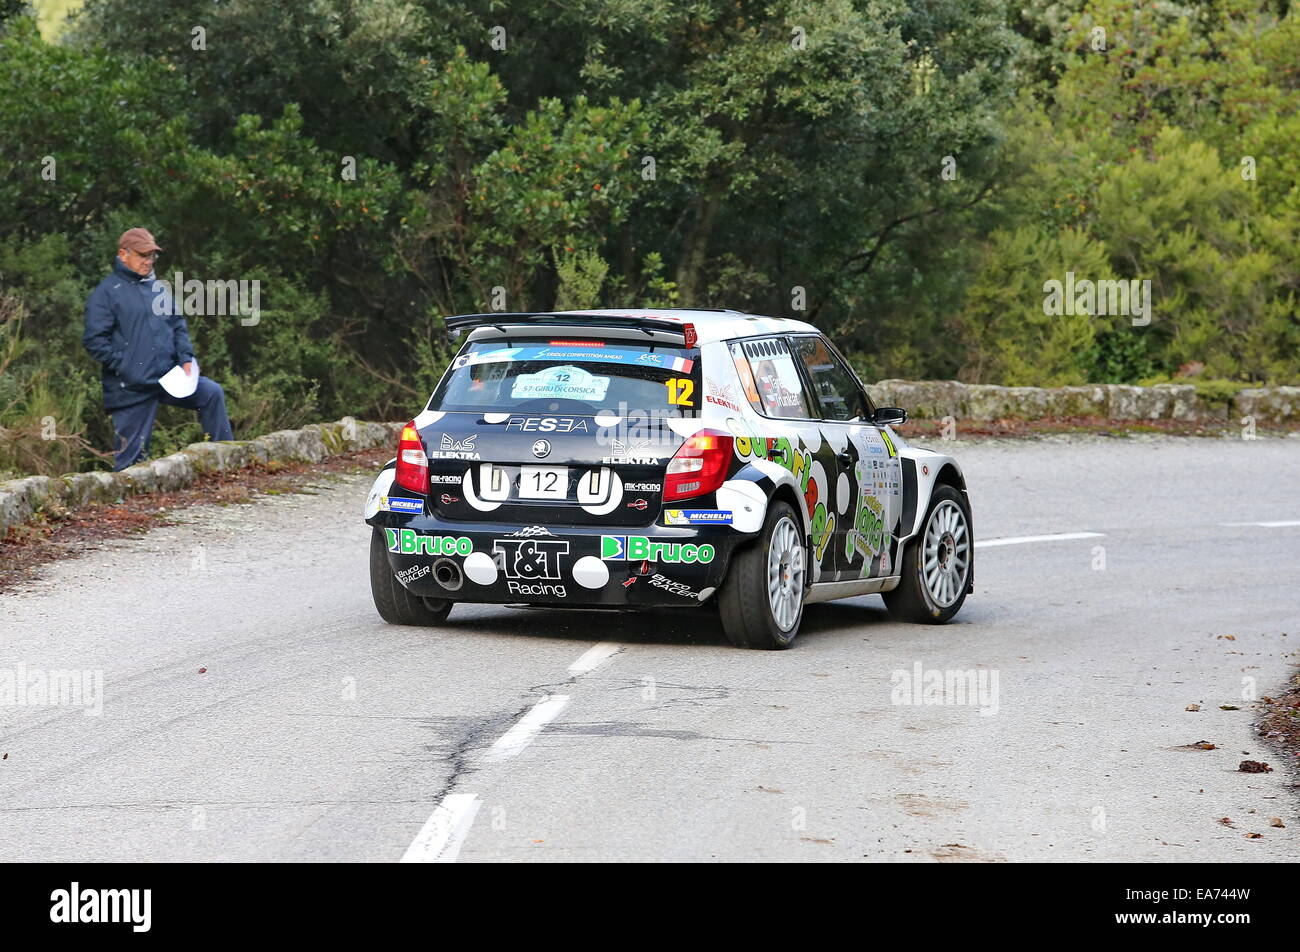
point(587, 566)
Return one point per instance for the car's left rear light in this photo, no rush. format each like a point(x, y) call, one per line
point(412, 463)
point(699, 466)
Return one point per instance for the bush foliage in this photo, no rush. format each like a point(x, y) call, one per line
point(907, 174)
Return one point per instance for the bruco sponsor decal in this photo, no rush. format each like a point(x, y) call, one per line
point(643, 548)
point(410, 542)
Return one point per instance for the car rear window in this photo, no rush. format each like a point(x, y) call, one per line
point(572, 376)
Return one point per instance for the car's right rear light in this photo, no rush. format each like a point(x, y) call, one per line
point(699, 466)
point(412, 462)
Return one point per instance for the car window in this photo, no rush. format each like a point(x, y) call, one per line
point(837, 390)
point(770, 378)
point(578, 377)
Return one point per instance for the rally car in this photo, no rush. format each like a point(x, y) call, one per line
point(698, 459)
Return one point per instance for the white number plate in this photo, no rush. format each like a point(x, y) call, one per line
point(543, 482)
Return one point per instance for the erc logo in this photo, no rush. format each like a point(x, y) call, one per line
point(643, 549)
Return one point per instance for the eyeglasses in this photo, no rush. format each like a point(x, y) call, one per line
point(147, 255)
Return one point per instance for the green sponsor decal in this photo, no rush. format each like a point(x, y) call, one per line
point(410, 542)
point(644, 549)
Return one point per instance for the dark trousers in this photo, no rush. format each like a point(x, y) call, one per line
point(133, 426)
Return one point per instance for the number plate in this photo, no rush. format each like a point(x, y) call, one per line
point(543, 482)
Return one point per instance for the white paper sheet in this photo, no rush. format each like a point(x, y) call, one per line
point(178, 383)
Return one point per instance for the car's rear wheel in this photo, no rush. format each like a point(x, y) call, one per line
point(395, 604)
point(936, 564)
point(761, 602)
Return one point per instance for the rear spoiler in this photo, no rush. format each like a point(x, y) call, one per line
point(458, 323)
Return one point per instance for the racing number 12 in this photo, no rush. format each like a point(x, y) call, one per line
point(680, 390)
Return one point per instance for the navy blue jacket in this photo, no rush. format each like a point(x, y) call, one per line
point(135, 345)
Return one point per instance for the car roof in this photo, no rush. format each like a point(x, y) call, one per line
point(710, 325)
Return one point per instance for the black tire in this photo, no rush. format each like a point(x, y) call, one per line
point(913, 600)
point(395, 604)
point(743, 602)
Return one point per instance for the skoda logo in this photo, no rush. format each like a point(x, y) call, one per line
point(542, 449)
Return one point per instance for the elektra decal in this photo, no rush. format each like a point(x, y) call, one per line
point(630, 454)
point(451, 448)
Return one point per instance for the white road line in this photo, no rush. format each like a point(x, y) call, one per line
point(1059, 537)
point(594, 657)
point(440, 838)
point(1267, 525)
point(526, 728)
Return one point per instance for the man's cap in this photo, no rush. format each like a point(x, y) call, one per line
point(138, 240)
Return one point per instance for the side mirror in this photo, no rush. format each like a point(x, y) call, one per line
point(889, 416)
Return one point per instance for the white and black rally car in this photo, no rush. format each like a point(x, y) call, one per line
point(650, 459)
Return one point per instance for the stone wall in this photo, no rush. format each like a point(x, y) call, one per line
point(21, 499)
point(934, 399)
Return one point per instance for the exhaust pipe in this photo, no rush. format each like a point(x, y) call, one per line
point(447, 574)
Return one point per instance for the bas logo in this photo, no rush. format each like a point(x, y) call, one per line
point(643, 549)
point(460, 446)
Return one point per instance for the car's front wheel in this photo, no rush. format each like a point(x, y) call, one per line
point(761, 602)
point(395, 604)
point(936, 564)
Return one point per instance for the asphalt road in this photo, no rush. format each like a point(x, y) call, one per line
point(317, 732)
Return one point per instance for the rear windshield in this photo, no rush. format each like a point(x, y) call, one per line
point(576, 377)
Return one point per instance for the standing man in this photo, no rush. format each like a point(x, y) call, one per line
point(137, 343)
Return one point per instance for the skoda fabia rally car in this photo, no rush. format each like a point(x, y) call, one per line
point(709, 460)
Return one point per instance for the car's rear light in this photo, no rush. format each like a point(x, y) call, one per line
point(688, 332)
point(699, 466)
point(577, 343)
point(412, 462)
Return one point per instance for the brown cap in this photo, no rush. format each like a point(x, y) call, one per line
point(138, 240)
